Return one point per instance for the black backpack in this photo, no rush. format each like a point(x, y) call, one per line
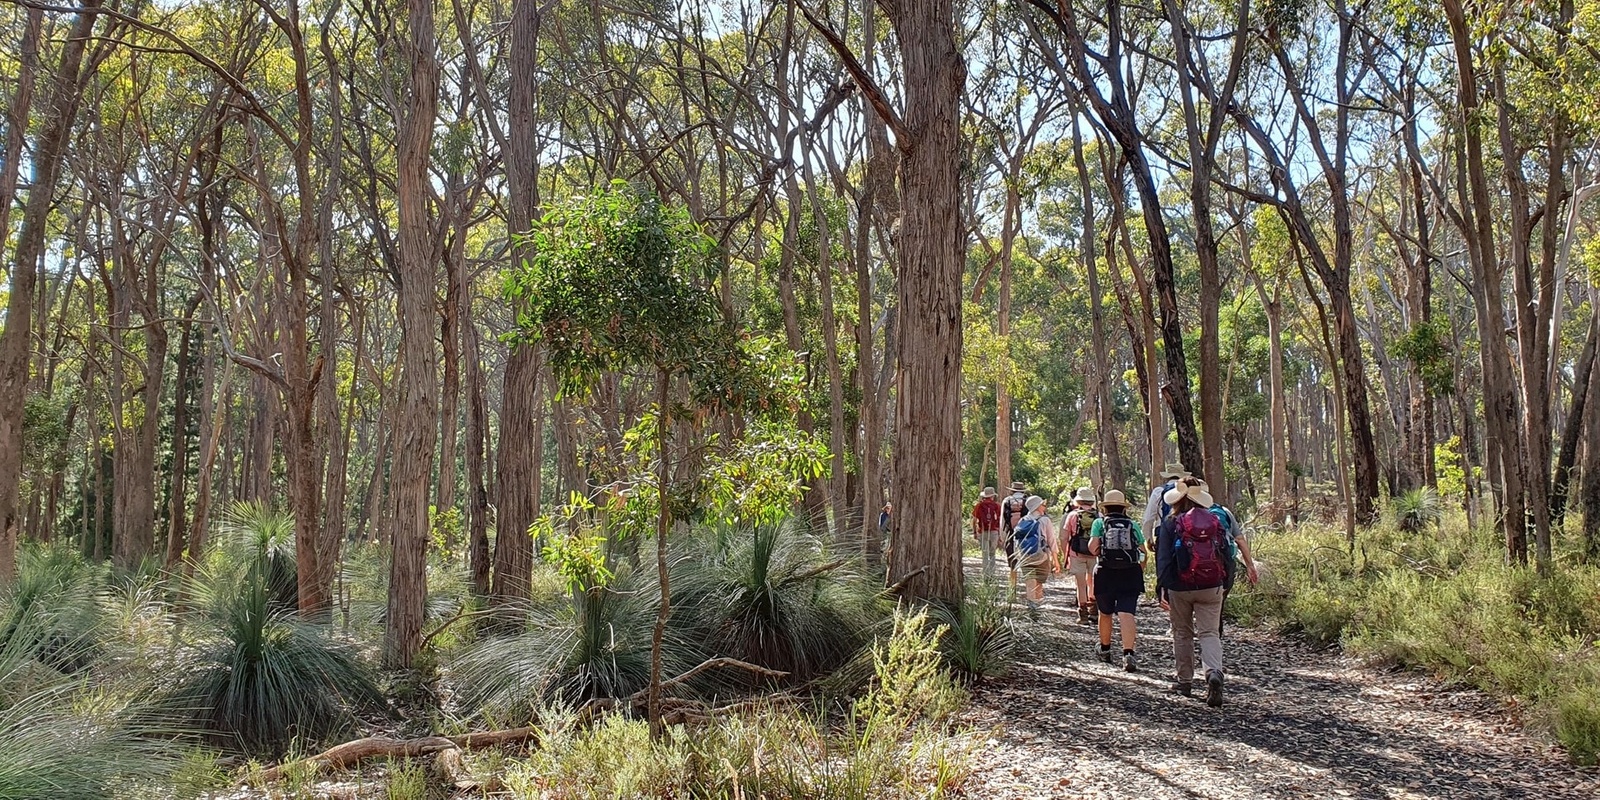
point(1118, 548)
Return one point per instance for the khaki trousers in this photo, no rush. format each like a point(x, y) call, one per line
point(1196, 615)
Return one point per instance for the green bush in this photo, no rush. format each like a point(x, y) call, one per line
point(592, 645)
point(256, 678)
point(776, 597)
point(1448, 605)
point(979, 636)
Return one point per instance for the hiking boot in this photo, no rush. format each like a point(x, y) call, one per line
point(1083, 615)
point(1129, 663)
point(1214, 688)
point(1105, 654)
point(1185, 688)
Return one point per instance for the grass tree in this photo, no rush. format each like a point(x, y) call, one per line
point(619, 280)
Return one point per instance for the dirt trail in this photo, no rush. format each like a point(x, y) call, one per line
point(1297, 723)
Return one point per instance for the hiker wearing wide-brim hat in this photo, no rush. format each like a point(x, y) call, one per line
point(1034, 543)
point(1118, 542)
point(1193, 559)
point(1155, 508)
point(1080, 561)
point(1013, 507)
point(986, 528)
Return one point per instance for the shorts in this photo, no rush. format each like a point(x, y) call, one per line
point(1080, 566)
point(1036, 566)
point(1116, 591)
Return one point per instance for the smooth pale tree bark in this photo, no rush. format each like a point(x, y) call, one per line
point(1002, 392)
point(837, 500)
point(521, 450)
point(419, 392)
point(877, 182)
point(48, 149)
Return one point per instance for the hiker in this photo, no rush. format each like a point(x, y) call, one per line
point(986, 528)
point(1034, 544)
point(1012, 509)
point(885, 519)
point(1118, 543)
point(1155, 509)
point(1080, 559)
point(1191, 569)
point(1238, 547)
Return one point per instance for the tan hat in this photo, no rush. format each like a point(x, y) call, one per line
point(1174, 469)
point(1085, 495)
point(1018, 486)
point(1196, 494)
point(988, 491)
point(1114, 499)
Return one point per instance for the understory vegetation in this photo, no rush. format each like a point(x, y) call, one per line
point(796, 676)
point(1439, 597)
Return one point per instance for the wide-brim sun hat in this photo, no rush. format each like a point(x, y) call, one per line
point(1196, 494)
point(1114, 499)
point(988, 491)
point(1085, 495)
point(1033, 502)
point(1018, 486)
point(1174, 469)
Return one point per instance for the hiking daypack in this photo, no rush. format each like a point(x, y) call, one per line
point(1118, 548)
point(1080, 537)
point(1201, 545)
point(1030, 540)
point(1013, 511)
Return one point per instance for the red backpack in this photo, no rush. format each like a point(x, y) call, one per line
point(1201, 544)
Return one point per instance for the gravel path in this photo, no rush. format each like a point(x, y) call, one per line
point(1297, 723)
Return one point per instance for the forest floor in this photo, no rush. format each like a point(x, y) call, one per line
point(1296, 722)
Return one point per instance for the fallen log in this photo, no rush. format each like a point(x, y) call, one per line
point(374, 747)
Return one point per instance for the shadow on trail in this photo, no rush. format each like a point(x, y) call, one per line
point(1297, 723)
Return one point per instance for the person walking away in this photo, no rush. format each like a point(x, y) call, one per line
point(1156, 509)
point(1080, 561)
point(986, 528)
point(1034, 545)
point(1118, 543)
point(1012, 509)
point(1191, 568)
point(1238, 553)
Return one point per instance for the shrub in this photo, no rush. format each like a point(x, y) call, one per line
point(259, 678)
point(51, 612)
point(1417, 510)
point(594, 645)
point(1448, 605)
point(979, 636)
point(774, 596)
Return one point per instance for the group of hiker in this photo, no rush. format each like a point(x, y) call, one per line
point(1198, 546)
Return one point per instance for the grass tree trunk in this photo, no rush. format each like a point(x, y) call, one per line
point(927, 490)
point(419, 391)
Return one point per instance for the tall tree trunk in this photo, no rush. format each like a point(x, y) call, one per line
point(418, 401)
point(178, 490)
point(1002, 392)
point(837, 500)
point(927, 489)
point(1105, 419)
point(1571, 431)
point(878, 180)
point(521, 451)
point(14, 352)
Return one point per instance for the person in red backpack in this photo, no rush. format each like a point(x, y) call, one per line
point(1192, 562)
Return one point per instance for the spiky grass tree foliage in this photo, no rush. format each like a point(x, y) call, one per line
point(51, 611)
point(1417, 509)
point(65, 735)
point(258, 678)
point(979, 637)
point(775, 596)
point(594, 645)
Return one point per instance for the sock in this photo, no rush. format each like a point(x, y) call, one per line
point(1127, 652)
point(1105, 648)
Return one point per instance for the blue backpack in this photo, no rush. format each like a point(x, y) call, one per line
point(1029, 539)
